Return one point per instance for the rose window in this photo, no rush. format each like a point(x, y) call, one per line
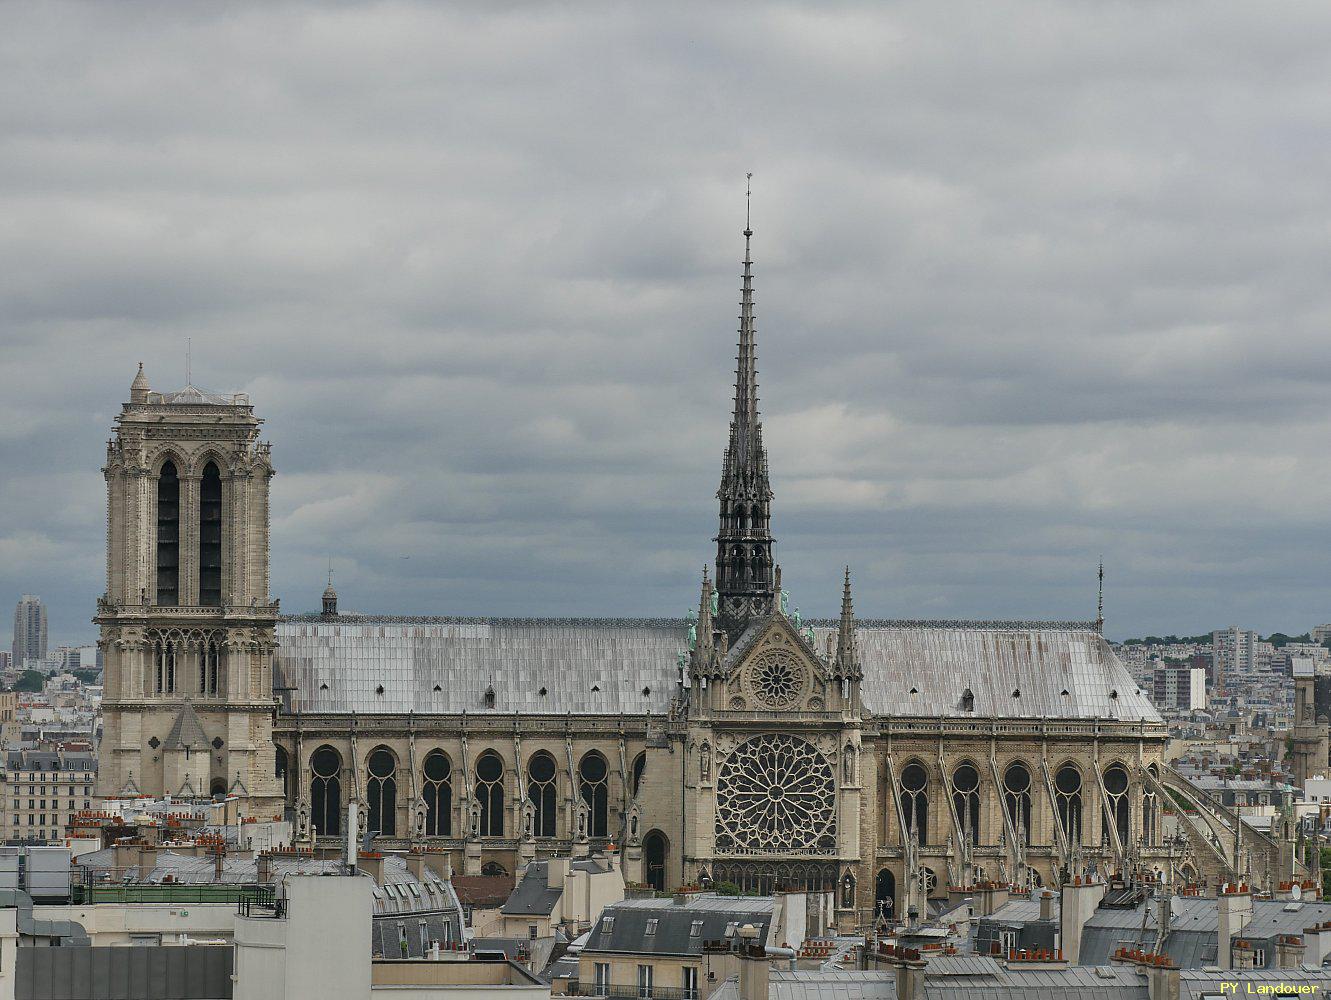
point(776, 679)
point(776, 794)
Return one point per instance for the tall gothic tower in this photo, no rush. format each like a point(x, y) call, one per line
point(187, 626)
point(745, 581)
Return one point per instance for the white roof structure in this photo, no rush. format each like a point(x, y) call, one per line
point(373, 665)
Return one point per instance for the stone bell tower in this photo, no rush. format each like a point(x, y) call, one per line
point(187, 626)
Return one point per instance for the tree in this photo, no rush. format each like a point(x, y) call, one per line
point(32, 680)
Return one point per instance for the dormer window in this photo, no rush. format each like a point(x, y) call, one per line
point(490, 697)
point(967, 700)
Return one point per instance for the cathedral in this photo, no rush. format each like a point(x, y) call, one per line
point(885, 762)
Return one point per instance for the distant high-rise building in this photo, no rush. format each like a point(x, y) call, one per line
point(1320, 633)
point(29, 630)
point(6, 659)
point(1179, 686)
point(1233, 653)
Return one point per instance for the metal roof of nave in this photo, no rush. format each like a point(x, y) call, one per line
point(440, 665)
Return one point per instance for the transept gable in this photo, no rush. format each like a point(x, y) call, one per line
point(774, 668)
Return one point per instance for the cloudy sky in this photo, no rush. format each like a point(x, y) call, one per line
point(1035, 282)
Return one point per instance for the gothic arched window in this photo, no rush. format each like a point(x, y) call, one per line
point(639, 763)
point(490, 793)
point(210, 537)
point(966, 799)
point(326, 791)
point(280, 770)
point(164, 665)
point(438, 793)
point(1017, 799)
point(1116, 787)
point(209, 660)
point(541, 794)
point(381, 789)
point(1067, 794)
point(595, 791)
point(168, 536)
point(915, 802)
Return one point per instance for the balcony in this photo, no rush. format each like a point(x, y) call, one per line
point(623, 990)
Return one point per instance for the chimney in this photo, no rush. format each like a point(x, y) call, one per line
point(441, 863)
point(753, 969)
point(1289, 951)
point(1235, 909)
point(1046, 904)
point(555, 871)
point(416, 864)
point(1080, 898)
point(264, 865)
point(1162, 982)
point(910, 974)
point(988, 897)
point(372, 864)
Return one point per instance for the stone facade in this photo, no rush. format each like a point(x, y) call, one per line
point(881, 762)
point(187, 626)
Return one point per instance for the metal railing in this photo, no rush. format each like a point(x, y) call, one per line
point(623, 991)
point(263, 902)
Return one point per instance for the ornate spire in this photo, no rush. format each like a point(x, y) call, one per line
point(744, 542)
point(846, 659)
point(1100, 600)
point(705, 624)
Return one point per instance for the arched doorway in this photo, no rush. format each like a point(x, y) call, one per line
point(885, 896)
point(654, 850)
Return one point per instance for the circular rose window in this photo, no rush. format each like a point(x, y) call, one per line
point(776, 794)
point(776, 679)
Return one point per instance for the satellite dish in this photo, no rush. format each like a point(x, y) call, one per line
point(1296, 891)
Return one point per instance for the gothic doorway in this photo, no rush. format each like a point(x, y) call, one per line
point(654, 849)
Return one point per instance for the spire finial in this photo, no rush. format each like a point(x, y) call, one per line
point(1100, 600)
point(330, 571)
point(748, 202)
point(189, 350)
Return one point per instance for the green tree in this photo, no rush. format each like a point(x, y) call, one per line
point(32, 680)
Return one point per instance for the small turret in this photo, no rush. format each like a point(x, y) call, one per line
point(330, 597)
point(139, 388)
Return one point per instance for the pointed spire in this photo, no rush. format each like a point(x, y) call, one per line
point(705, 626)
point(744, 542)
point(845, 650)
point(746, 444)
point(1100, 601)
point(139, 388)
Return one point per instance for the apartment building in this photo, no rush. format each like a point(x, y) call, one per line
point(42, 790)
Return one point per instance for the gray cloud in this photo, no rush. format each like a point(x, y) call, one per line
point(1036, 282)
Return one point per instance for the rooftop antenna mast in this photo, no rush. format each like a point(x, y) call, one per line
point(748, 200)
point(1100, 600)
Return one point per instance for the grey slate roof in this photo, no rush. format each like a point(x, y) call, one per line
point(628, 934)
point(605, 666)
point(533, 896)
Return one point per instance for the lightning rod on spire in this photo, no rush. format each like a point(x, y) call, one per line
point(748, 202)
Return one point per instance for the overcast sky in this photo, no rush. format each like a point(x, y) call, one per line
point(1035, 282)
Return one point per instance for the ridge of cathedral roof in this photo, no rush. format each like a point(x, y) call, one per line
point(861, 624)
